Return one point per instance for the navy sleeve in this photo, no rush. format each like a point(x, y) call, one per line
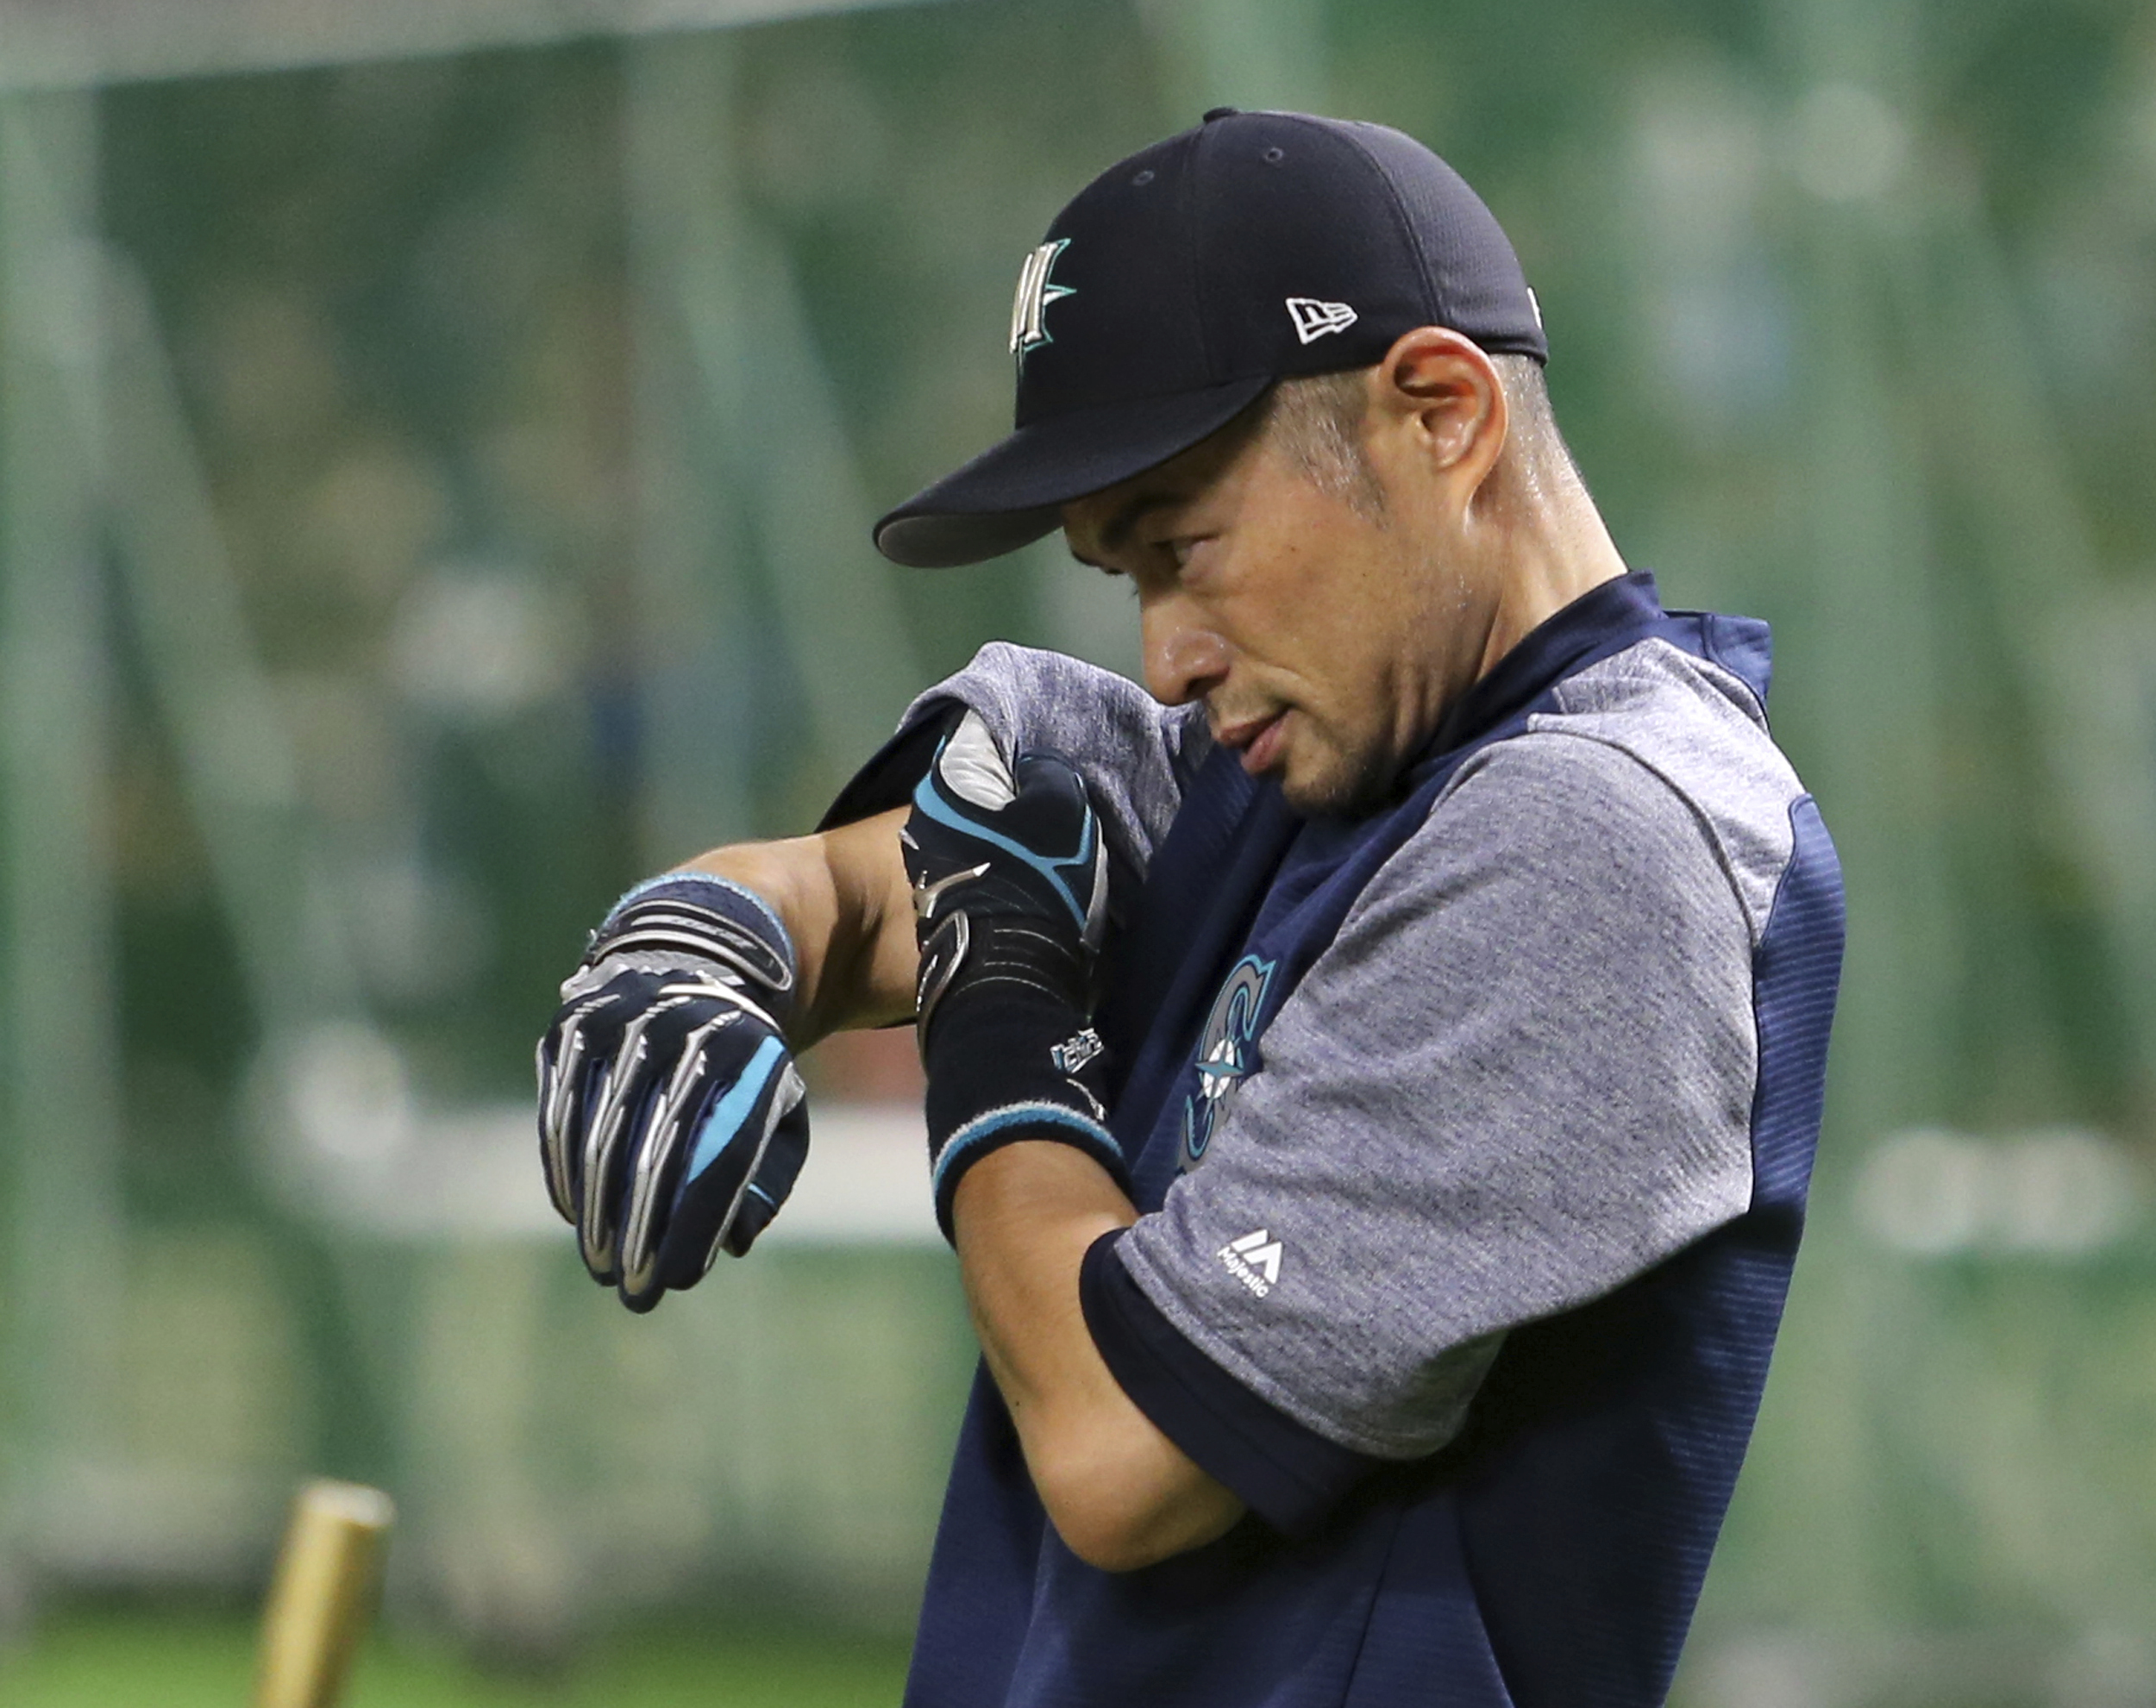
point(887, 780)
point(1288, 1475)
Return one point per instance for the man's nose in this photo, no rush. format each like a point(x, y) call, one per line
point(1185, 660)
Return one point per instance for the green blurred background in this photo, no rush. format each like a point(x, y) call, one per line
point(436, 450)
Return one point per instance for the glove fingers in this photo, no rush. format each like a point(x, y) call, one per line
point(610, 1102)
point(730, 1145)
point(1049, 790)
point(772, 1181)
point(617, 1108)
point(658, 1067)
point(571, 1060)
point(1036, 848)
point(650, 1179)
point(565, 1059)
point(662, 1096)
point(553, 1128)
point(1053, 811)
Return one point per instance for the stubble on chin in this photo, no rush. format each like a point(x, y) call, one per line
point(1345, 785)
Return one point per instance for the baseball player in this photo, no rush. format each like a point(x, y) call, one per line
point(1372, 1077)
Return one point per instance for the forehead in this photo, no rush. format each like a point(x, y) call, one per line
point(1105, 521)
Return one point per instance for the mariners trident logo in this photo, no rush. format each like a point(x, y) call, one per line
point(1036, 292)
point(1227, 1054)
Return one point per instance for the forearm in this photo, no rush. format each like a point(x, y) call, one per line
point(843, 897)
point(1120, 1493)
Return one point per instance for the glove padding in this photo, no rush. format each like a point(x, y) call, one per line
point(671, 1115)
point(1010, 901)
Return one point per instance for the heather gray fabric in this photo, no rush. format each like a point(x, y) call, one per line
point(1522, 1075)
point(1135, 754)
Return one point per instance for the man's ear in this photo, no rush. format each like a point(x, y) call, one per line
point(1441, 395)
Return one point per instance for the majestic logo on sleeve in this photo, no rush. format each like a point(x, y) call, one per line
point(1227, 1054)
point(1029, 308)
point(1254, 1260)
point(1313, 318)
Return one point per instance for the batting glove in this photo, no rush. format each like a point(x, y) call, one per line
point(671, 1119)
point(1010, 902)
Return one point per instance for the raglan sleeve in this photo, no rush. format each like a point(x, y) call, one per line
point(1134, 754)
point(1518, 1077)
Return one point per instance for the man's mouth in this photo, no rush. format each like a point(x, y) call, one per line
point(1257, 738)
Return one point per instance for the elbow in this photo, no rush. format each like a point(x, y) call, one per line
point(1118, 1516)
point(1108, 1543)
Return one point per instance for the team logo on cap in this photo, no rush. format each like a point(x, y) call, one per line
point(1313, 319)
point(1036, 292)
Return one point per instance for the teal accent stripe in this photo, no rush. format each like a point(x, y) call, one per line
point(926, 799)
point(1023, 1114)
point(725, 1120)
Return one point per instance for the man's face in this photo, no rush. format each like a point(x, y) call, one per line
point(1325, 637)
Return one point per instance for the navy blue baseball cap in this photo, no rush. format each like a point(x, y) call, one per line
point(1183, 281)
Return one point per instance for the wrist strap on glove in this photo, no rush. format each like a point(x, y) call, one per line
point(681, 918)
point(1022, 1065)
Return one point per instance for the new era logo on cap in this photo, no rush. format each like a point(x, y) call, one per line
point(1313, 319)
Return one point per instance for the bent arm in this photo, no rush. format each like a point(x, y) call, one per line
point(1119, 1492)
point(843, 895)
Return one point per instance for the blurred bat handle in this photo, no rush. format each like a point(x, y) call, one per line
point(323, 1591)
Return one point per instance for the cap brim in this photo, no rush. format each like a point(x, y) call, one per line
point(1013, 492)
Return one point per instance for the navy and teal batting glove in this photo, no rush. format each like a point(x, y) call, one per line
point(1010, 901)
point(671, 1118)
